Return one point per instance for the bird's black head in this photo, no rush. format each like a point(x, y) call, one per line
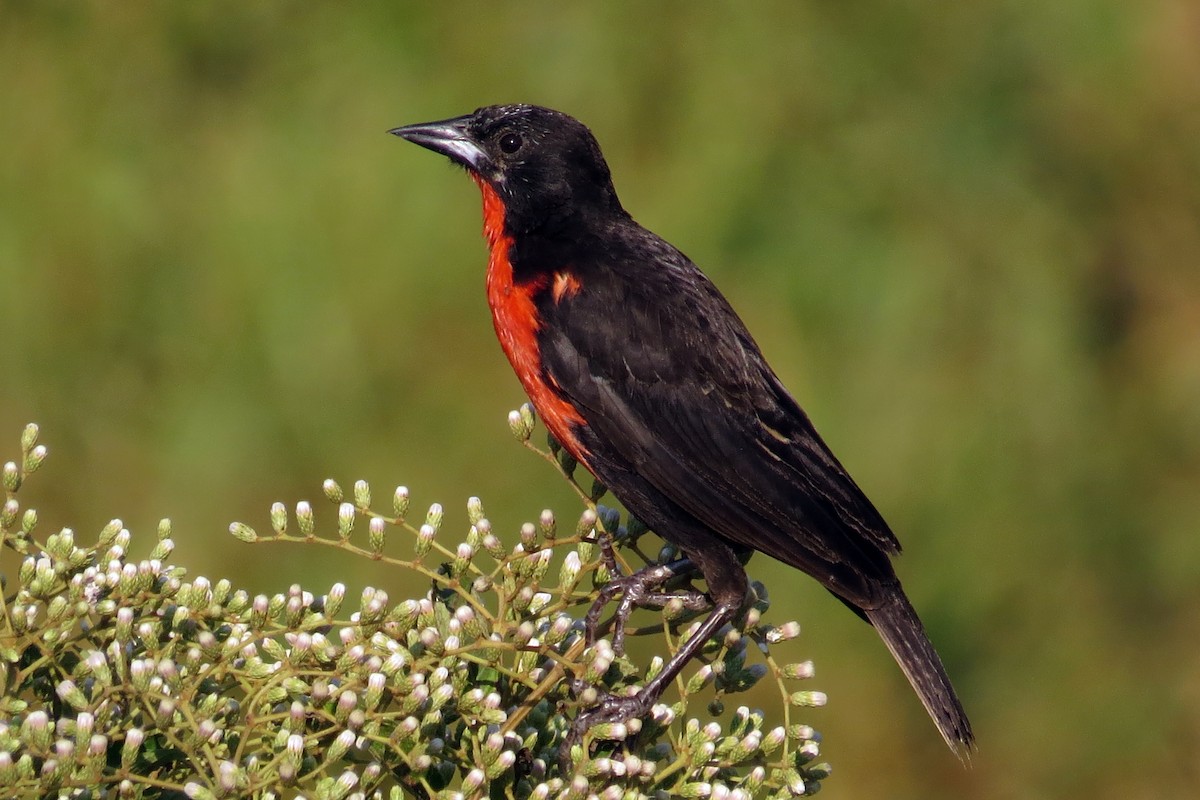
point(545, 166)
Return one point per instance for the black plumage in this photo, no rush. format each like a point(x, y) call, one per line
point(682, 418)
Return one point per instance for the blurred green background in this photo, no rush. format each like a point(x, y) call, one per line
point(966, 235)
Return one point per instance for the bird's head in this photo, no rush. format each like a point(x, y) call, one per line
point(544, 165)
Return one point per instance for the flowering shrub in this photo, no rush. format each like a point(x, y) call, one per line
point(124, 678)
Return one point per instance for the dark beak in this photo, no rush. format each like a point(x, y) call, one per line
point(451, 138)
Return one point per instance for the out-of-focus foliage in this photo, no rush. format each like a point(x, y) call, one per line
point(967, 236)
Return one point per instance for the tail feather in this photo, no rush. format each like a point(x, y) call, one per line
point(905, 637)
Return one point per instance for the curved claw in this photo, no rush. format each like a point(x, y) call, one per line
point(609, 709)
point(592, 620)
point(727, 591)
point(637, 591)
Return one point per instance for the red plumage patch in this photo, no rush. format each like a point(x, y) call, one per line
point(515, 317)
point(565, 285)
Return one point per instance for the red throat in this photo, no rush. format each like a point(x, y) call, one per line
point(493, 217)
point(515, 316)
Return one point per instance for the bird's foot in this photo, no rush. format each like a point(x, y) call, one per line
point(622, 716)
point(637, 591)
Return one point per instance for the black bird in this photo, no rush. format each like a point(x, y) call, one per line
point(645, 374)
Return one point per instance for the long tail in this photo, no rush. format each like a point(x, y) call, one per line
point(905, 637)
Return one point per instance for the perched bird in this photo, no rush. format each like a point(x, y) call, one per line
point(645, 374)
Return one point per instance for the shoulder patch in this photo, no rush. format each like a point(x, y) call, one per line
point(565, 285)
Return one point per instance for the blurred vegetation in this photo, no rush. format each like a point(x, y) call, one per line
point(967, 236)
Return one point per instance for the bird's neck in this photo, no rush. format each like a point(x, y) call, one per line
point(514, 304)
point(533, 254)
point(493, 212)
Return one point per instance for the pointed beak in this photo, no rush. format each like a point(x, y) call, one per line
point(451, 138)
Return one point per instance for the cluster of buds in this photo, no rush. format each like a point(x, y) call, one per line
point(142, 671)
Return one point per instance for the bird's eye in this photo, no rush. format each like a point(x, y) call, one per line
point(510, 143)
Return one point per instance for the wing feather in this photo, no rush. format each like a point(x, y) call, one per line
point(677, 391)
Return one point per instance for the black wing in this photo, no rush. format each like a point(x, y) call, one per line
point(675, 391)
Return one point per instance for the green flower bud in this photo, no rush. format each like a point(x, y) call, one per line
point(473, 781)
point(343, 785)
point(376, 682)
point(786, 631)
point(474, 510)
point(304, 518)
point(568, 575)
point(462, 559)
point(34, 458)
point(340, 746)
point(294, 752)
point(773, 740)
point(502, 765)
point(377, 534)
point(801, 733)
point(809, 750)
point(795, 783)
point(493, 545)
point(8, 770)
point(131, 746)
point(400, 502)
point(36, 731)
point(746, 747)
point(541, 564)
point(529, 537)
point(11, 477)
point(8, 512)
point(346, 516)
point(279, 518)
point(810, 699)
point(799, 671)
point(610, 731)
point(598, 490)
point(405, 615)
point(242, 531)
point(29, 437)
point(162, 549)
point(673, 610)
point(700, 679)
point(519, 429)
point(434, 518)
point(362, 494)
point(424, 540)
point(528, 416)
point(164, 715)
point(587, 523)
point(57, 608)
point(754, 780)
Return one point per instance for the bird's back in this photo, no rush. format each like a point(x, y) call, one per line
point(673, 388)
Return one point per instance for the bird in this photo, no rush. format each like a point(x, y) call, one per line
point(643, 372)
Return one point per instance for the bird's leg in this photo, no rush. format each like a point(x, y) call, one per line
point(608, 553)
point(617, 584)
point(637, 591)
point(728, 587)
